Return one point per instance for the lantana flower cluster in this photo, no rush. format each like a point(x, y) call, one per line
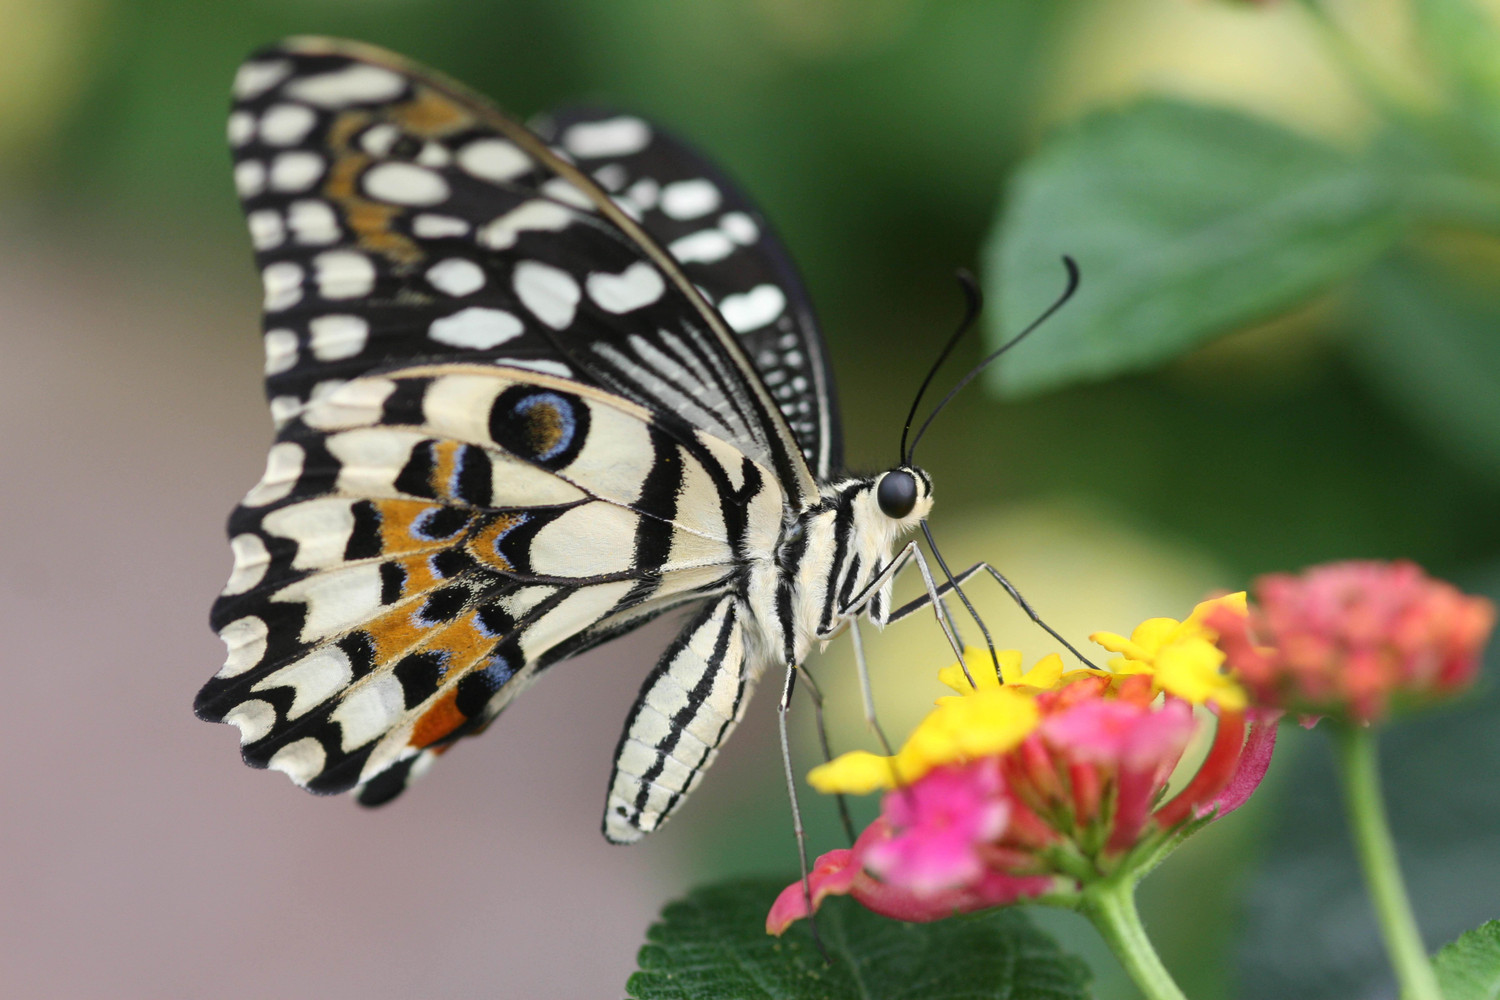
point(1351, 639)
point(1042, 783)
point(1037, 783)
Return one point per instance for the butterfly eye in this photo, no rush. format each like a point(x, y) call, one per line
point(897, 493)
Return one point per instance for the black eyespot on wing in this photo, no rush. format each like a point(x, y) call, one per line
point(897, 493)
point(540, 425)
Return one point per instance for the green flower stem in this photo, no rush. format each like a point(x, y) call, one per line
point(1110, 906)
point(1377, 856)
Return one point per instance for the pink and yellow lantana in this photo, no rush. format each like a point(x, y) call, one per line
point(1027, 784)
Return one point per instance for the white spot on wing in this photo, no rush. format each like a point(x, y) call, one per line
point(253, 718)
point(281, 351)
point(551, 294)
point(335, 600)
point(250, 562)
point(286, 124)
point(589, 540)
point(456, 276)
point(501, 233)
point(431, 227)
point(493, 160)
point(344, 274)
point(301, 761)
point(342, 405)
point(321, 529)
point(296, 171)
point(249, 178)
point(334, 338)
point(313, 222)
point(644, 192)
point(283, 469)
point(612, 137)
point(405, 184)
point(245, 639)
point(266, 229)
point(434, 154)
point(583, 605)
point(739, 227)
point(638, 285)
point(370, 458)
point(378, 140)
point(283, 285)
point(255, 78)
point(284, 408)
point(703, 247)
point(565, 191)
point(476, 327)
point(355, 84)
point(689, 199)
point(756, 308)
point(369, 712)
point(241, 128)
point(610, 176)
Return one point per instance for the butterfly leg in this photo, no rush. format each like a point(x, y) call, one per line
point(916, 605)
point(791, 790)
point(859, 602)
point(815, 695)
point(865, 692)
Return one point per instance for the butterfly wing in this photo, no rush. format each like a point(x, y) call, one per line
point(423, 542)
point(399, 218)
point(727, 248)
point(394, 584)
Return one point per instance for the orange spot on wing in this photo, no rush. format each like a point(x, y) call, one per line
point(431, 115)
point(438, 721)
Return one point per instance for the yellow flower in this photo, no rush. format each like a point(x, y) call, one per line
point(1045, 674)
point(1180, 656)
point(979, 723)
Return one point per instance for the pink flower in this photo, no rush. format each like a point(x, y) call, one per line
point(841, 872)
point(1074, 797)
point(1348, 638)
point(939, 823)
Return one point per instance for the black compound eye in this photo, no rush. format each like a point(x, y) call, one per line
point(897, 493)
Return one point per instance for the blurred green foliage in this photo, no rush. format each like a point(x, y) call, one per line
point(1350, 268)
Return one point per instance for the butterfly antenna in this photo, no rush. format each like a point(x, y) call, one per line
point(974, 303)
point(1062, 300)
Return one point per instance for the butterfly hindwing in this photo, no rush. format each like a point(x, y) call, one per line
point(727, 248)
point(426, 540)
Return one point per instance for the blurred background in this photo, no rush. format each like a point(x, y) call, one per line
point(1328, 388)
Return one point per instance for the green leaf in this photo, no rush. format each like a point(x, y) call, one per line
point(1187, 222)
point(1428, 340)
point(1469, 968)
point(713, 945)
point(1463, 42)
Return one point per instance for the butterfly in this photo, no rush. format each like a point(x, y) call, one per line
point(532, 388)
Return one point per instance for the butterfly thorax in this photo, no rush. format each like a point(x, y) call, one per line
point(825, 561)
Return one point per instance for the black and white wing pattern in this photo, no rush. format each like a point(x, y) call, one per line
point(508, 426)
point(727, 248)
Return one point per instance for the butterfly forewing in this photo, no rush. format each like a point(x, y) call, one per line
point(399, 219)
